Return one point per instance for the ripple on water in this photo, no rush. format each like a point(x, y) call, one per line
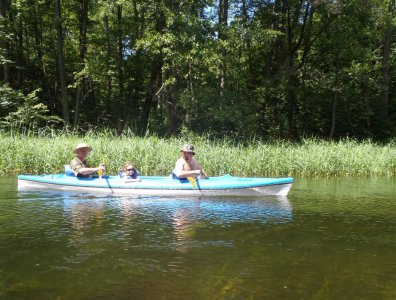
point(85, 246)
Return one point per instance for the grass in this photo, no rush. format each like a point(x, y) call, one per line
point(47, 153)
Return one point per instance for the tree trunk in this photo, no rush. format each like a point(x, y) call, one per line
point(307, 38)
point(223, 19)
point(385, 75)
point(384, 107)
point(20, 58)
point(191, 82)
point(279, 23)
point(137, 19)
point(172, 111)
point(83, 16)
point(156, 67)
point(155, 78)
point(120, 55)
point(294, 43)
point(335, 97)
point(291, 97)
point(5, 43)
point(107, 66)
point(61, 62)
point(275, 69)
point(136, 85)
point(292, 100)
point(366, 100)
point(37, 38)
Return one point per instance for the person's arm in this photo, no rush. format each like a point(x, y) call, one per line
point(179, 172)
point(185, 174)
point(78, 168)
point(202, 173)
point(87, 171)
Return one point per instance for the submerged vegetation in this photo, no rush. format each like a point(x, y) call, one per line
point(48, 152)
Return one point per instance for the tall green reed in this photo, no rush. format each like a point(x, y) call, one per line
point(49, 151)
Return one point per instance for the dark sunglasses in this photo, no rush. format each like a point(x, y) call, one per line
point(130, 169)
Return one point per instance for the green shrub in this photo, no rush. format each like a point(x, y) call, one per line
point(23, 112)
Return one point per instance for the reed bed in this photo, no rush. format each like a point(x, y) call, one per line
point(47, 153)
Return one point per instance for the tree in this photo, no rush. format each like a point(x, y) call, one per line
point(267, 68)
point(83, 7)
point(61, 62)
point(385, 67)
point(4, 54)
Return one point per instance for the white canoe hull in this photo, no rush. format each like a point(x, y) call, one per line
point(279, 188)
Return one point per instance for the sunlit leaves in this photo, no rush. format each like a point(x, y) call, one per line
point(30, 112)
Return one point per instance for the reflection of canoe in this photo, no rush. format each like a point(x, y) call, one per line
point(156, 185)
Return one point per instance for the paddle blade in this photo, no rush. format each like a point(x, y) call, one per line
point(100, 172)
point(193, 182)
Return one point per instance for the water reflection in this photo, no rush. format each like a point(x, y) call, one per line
point(191, 217)
point(148, 236)
point(182, 212)
point(337, 236)
point(83, 212)
point(173, 223)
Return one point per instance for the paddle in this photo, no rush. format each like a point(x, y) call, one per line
point(100, 172)
point(193, 182)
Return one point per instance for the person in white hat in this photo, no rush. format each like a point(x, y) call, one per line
point(186, 165)
point(79, 164)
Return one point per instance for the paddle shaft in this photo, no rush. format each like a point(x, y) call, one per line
point(100, 172)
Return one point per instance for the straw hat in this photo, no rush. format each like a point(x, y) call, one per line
point(81, 146)
point(188, 148)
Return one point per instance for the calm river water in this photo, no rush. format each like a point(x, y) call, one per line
point(329, 239)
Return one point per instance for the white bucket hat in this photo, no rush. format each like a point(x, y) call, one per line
point(188, 148)
point(81, 146)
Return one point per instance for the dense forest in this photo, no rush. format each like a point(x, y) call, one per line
point(265, 68)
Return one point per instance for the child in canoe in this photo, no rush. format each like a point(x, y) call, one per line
point(129, 173)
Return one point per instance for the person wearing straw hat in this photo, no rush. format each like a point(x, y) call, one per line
point(186, 165)
point(79, 164)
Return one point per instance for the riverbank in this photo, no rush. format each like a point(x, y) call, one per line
point(156, 156)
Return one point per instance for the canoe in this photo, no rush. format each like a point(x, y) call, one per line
point(226, 185)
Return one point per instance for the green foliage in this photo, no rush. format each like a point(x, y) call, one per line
point(274, 69)
point(9, 99)
point(30, 112)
